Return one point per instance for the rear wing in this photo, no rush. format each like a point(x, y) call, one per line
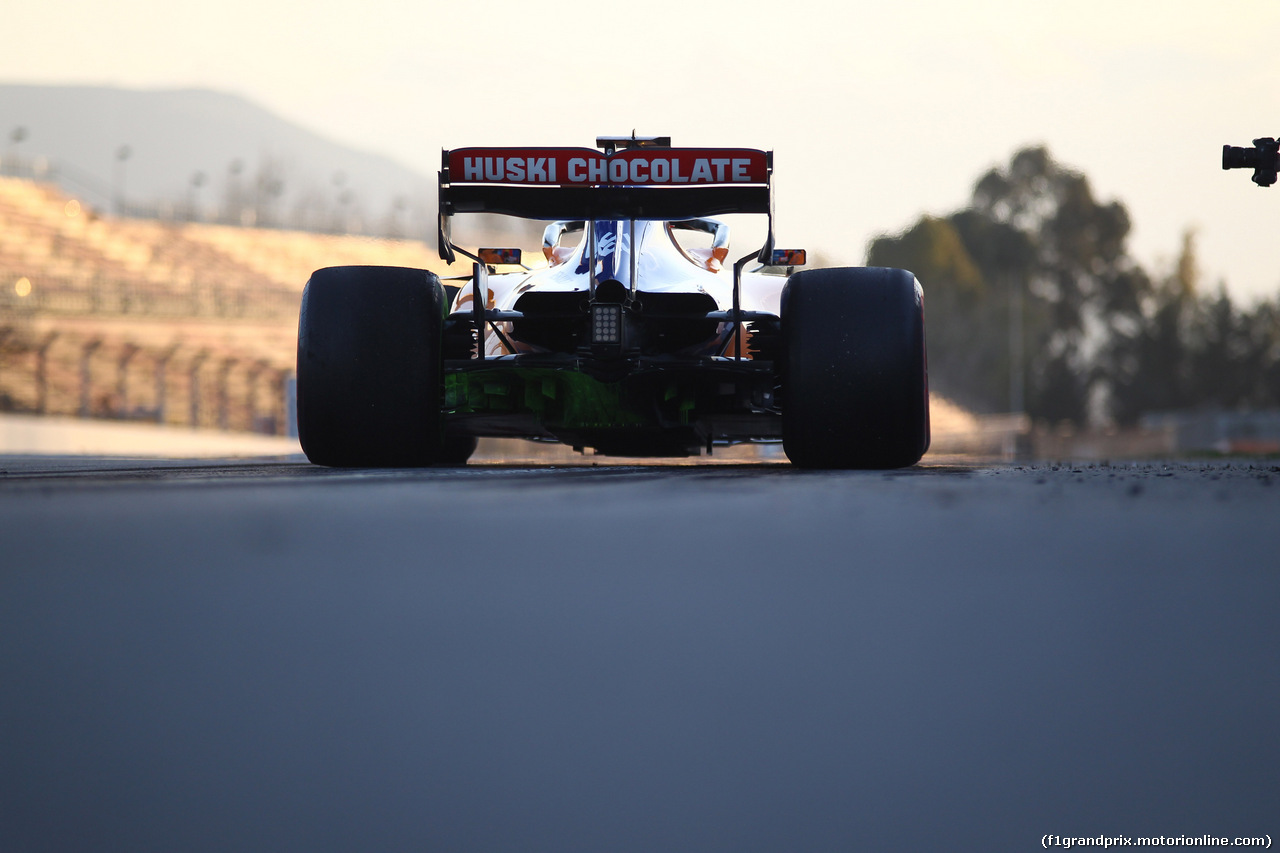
point(579, 183)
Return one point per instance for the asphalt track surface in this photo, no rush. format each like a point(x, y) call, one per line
point(270, 656)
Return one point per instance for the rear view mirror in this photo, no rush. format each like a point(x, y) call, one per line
point(787, 258)
point(499, 256)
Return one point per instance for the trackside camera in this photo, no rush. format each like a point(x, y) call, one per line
point(1263, 158)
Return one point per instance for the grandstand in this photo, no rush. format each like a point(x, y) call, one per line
point(179, 323)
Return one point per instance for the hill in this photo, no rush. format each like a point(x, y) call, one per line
point(256, 167)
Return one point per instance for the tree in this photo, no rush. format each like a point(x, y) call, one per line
point(1152, 366)
point(1051, 261)
point(1195, 351)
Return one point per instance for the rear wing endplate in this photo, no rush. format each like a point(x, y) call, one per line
point(579, 183)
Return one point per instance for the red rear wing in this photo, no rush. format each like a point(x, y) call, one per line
point(579, 183)
point(661, 167)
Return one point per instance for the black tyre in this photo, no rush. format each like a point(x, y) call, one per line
point(369, 382)
point(855, 380)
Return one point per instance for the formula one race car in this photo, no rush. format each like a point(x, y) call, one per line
point(630, 341)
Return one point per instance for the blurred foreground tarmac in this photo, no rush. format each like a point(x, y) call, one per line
point(266, 655)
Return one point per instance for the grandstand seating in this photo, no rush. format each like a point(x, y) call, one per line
point(114, 301)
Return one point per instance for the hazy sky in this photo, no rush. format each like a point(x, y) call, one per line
point(876, 112)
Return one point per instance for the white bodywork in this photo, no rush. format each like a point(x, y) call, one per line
point(661, 265)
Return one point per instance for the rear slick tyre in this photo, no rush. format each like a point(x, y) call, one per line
point(369, 380)
point(854, 372)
